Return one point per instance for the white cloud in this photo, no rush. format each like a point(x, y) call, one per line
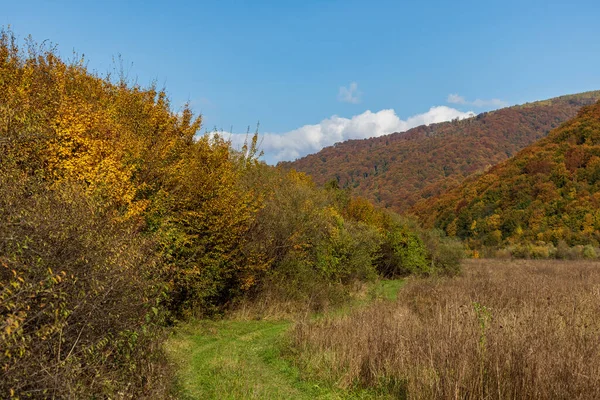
point(456, 99)
point(349, 94)
point(312, 138)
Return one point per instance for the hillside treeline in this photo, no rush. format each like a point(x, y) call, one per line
point(118, 218)
point(544, 202)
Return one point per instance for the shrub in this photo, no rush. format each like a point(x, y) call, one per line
point(562, 250)
point(520, 251)
point(312, 250)
point(402, 253)
point(445, 253)
point(589, 252)
point(78, 296)
point(540, 251)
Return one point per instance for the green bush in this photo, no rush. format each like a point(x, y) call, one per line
point(402, 253)
point(589, 252)
point(347, 253)
point(541, 251)
point(520, 251)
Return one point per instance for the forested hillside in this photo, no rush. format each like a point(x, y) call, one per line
point(400, 169)
point(118, 219)
point(548, 194)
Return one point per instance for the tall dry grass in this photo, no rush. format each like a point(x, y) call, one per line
point(524, 329)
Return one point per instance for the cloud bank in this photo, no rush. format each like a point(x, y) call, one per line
point(456, 99)
point(349, 94)
point(312, 138)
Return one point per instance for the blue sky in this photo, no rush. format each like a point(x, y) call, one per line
point(316, 72)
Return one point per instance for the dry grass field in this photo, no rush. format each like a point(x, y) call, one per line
point(502, 329)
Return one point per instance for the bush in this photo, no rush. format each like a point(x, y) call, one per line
point(589, 252)
point(541, 251)
point(546, 251)
point(78, 297)
point(293, 288)
point(562, 250)
point(346, 254)
point(313, 251)
point(520, 251)
point(402, 253)
point(445, 253)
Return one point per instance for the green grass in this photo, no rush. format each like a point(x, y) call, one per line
point(233, 359)
point(387, 289)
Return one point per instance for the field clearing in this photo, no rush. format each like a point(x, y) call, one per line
point(520, 329)
point(245, 358)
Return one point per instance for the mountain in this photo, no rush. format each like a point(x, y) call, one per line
point(400, 169)
point(550, 192)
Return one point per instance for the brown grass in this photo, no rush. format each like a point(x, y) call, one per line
point(523, 329)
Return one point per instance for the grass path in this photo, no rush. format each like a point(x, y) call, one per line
point(233, 359)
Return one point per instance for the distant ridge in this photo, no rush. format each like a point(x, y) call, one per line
point(400, 169)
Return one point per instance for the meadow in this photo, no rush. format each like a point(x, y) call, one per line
point(502, 329)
